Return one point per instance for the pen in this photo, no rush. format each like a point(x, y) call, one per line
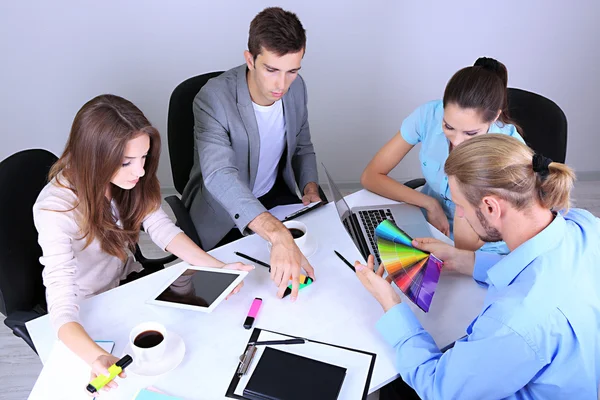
point(344, 260)
point(254, 260)
point(101, 380)
point(253, 312)
point(303, 211)
point(276, 342)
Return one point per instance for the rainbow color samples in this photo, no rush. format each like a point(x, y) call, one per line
point(415, 272)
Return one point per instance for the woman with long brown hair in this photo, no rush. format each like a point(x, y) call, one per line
point(101, 191)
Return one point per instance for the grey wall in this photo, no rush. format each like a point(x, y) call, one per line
point(368, 64)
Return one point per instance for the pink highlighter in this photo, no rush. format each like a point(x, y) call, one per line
point(252, 313)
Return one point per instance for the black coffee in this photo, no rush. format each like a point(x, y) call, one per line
point(296, 233)
point(148, 339)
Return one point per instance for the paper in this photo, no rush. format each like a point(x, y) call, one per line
point(357, 364)
point(65, 375)
point(280, 212)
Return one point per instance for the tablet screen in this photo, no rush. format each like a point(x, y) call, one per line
point(197, 288)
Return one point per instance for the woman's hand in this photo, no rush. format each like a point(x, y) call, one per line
point(239, 267)
point(100, 367)
point(437, 217)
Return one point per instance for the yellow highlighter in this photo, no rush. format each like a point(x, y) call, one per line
point(101, 380)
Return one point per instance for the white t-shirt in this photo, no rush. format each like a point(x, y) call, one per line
point(271, 128)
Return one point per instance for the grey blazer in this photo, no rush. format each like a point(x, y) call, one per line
point(227, 148)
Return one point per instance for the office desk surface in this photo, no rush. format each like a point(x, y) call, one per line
point(335, 309)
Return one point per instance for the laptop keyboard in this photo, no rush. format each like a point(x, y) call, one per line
point(372, 218)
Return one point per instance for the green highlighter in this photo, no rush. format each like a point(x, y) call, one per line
point(303, 281)
point(101, 380)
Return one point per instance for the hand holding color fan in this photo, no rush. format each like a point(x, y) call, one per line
point(414, 271)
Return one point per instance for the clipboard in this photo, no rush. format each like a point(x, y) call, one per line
point(366, 359)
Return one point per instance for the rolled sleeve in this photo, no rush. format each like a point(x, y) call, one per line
point(161, 229)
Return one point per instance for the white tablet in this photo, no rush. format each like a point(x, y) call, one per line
point(197, 288)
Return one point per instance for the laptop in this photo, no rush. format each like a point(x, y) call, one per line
point(360, 222)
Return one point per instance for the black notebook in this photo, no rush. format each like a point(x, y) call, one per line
point(284, 376)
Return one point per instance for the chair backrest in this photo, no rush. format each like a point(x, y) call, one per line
point(22, 176)
point(180, 127)
point(542, 121)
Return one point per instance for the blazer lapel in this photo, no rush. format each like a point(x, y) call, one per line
point(244, 104)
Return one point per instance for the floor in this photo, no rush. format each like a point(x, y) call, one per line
point(19, 366)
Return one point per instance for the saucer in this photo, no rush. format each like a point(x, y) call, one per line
point(174, 353)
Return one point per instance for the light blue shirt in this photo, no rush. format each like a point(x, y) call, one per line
point(537, 335)
point(424, 126)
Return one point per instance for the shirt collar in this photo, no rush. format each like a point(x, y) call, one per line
point(506, 270)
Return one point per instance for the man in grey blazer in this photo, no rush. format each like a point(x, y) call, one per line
point(253, 146)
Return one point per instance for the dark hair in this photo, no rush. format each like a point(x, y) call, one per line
point(94, 153)
point(276, 30)
point(482, 87)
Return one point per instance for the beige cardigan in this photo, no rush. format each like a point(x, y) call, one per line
point(72, 273)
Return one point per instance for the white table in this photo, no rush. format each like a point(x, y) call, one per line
point(335, 309)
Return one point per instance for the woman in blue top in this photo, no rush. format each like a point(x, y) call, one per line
point(474, 103)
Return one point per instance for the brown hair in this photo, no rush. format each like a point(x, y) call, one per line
point(93, 155)
point(276, 30)
point(500, 165)
point(482, 87)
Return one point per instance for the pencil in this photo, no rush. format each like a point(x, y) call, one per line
point(254, 260)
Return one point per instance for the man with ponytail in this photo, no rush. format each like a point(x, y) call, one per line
point(537, 334)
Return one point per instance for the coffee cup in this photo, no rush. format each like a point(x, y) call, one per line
point(148, 341)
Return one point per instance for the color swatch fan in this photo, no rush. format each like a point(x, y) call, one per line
point(414, 271)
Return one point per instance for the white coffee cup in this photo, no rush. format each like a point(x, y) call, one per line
point(144, 341)
point(305, 242)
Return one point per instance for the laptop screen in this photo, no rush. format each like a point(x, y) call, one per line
point(340, 204)
point(345, 214)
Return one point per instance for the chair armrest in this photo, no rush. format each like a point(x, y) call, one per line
point(415, 183)
point(16, 322)
point(184, 221)
point(154, 264)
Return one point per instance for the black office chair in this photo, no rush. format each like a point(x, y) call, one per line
point(22, 295)
point(542, 121)
point(180, 137)
point(543, 125)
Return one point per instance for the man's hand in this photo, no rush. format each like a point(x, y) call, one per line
point(461, 261)
point(286, 258)
point(286, 263)
point(311, 194)
point(380, 288)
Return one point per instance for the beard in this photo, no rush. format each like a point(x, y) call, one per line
point(491, 234)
